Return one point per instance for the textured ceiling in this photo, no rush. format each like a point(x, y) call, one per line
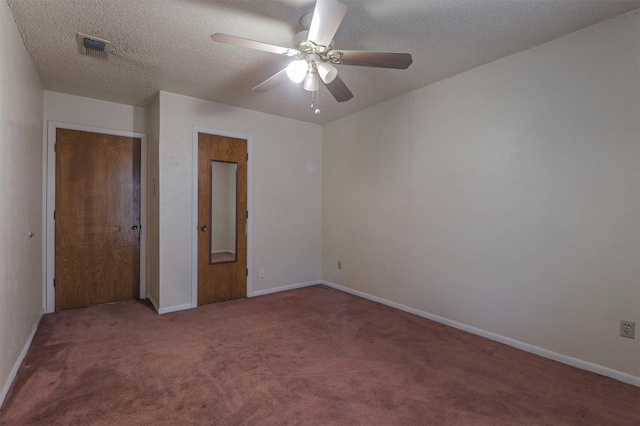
point(165, 45)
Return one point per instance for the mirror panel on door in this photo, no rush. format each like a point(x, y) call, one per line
point(223, 211)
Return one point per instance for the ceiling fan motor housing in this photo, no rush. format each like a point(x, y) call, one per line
point(299, 38)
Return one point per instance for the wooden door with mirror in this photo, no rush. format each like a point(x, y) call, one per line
point(222, 218)
point(97, 219)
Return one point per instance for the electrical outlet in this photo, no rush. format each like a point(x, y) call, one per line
point(339, 264)
point(628, 329)
point(261, 273)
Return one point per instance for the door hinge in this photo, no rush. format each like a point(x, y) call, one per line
point(55, 147)
point(247, 271)
point(54, 215)
point(247, 214)
point(247, 156)
point(54, 282)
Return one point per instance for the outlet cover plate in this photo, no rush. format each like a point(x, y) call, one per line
point(628, 329)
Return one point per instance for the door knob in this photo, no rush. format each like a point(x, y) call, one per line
point(203, 228)
point(134, 227)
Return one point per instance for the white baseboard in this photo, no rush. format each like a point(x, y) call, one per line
point(174, 308)
point(18, 363)
point(284, 288)
point(255, 293)
point(574, 362)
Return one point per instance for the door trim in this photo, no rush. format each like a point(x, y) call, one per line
point(52, 126)
point(194, 207)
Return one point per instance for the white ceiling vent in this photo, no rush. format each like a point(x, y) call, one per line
point(93, 46)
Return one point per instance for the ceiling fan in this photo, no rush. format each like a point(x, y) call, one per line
point(314, 56)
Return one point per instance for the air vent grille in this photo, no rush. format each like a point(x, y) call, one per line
point(93, 46)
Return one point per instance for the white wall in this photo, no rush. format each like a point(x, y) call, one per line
point(506, 198)
point(286, 165)
point(21, 199)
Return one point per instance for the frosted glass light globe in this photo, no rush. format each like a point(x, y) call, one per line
point(297, 70)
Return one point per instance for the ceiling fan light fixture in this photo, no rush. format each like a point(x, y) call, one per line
point(314, 55)
point(311, 81)
point(297, 70)
point(327, 72)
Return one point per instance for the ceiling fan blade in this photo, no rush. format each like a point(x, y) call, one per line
point(272, 81)
point(251, 44)
point(339, 90)
point(376, 59)
point(327, 17)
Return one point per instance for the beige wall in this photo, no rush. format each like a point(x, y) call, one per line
point(506, 198)
point(286, 199)
point(21, 199)
point(72, 109)
point(153, 202)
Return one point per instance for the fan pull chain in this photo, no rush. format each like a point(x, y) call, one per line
point(314, 102)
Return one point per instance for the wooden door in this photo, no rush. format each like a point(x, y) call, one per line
point(222, 274)
point(97, 219)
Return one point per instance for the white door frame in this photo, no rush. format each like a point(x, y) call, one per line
point(194, 208)
point(51, 203)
